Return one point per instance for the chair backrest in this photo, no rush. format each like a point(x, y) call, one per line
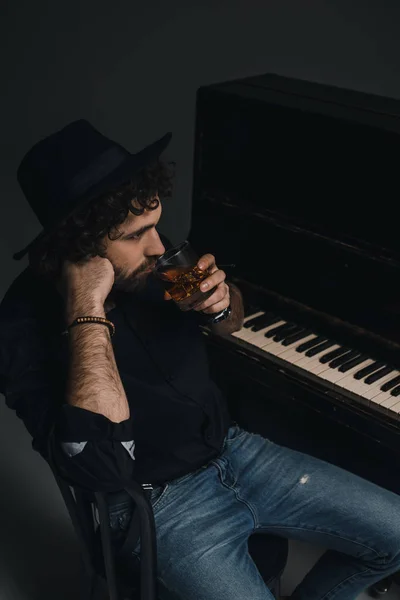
point(81, 505)
point(80, 510)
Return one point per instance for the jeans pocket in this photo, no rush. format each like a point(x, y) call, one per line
point(120, 517)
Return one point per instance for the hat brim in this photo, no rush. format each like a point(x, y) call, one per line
point(119, 176)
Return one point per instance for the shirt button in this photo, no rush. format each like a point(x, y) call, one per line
point(208, 436)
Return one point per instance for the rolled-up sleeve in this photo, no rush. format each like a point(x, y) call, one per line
point(88, 449)
point(92, 451)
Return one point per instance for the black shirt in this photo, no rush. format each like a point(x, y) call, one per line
point(179, 417)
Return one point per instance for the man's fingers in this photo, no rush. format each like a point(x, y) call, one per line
point(221, 294)
point(215, 279)
point(216, 308)
point(207, 262)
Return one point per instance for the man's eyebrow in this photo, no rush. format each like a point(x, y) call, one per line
point(137, 232)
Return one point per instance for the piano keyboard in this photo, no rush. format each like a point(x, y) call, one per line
point(346, 368)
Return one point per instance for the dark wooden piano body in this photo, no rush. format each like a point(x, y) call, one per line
point(298, 185)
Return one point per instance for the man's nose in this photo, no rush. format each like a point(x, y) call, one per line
point(156, 247)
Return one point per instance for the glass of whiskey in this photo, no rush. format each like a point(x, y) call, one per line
point(181, 276)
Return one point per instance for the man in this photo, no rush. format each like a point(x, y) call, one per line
point(126, 391)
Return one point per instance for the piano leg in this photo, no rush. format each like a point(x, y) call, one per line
point(381, 587)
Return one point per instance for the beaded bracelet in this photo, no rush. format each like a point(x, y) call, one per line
point(99, 320)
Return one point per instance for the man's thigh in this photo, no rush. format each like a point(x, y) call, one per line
point(299, 496)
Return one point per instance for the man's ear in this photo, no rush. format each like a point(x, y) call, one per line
point(167, 296)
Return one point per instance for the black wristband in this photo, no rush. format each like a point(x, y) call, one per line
point(222, 316)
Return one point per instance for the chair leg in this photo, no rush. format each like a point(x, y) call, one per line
point(107, 547)
point(90, 587)
point(276, 588)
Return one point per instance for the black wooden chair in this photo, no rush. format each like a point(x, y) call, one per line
point(123, 581)
point(268, 552)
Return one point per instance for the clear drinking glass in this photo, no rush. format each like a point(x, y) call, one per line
point(181, 276)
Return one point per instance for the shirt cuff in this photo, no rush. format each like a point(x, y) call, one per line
point(75, 424)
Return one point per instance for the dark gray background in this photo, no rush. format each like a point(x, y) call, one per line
point(133, 69)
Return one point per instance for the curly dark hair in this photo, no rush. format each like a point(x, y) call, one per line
point(81, 236)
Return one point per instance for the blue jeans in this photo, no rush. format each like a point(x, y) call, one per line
point(204, 519)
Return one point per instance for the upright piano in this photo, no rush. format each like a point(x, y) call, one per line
point(297, 184)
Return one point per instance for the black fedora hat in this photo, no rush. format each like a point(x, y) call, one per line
point(72, 166)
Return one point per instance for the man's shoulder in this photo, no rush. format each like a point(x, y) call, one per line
point(29, 306)
point(25, 329)
point(18, 294)
point(25, 295)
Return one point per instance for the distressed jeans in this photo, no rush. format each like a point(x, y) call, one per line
point(204, 519)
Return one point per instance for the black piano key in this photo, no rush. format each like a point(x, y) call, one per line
point(260, 320)
point(333, 354)
point(275, 330)
point(296, 329)
point(367, 370)
point(352, 363)
point(292, 338)
point(251, 322)
point(390, 384)
point(396, 391)
point(266, 323)
point(310, 344)
point(337, 362)
point(378, 375)
point(291, 328)
point(320, 348)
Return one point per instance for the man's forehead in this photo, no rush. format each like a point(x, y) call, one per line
point(148, 217)
point(130, 218)
point(137, 219)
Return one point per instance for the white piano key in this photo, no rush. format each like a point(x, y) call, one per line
point(291, 350)
point(308, 360)
point(352, 384)
point(355, 386)
point(277, 349)
point(258, 338)
point(312, 364)
point(393, 375)
point(333, 375)
point(303, 340)
point(318, 368)
point(373, 389)
point(244, 332)
point(387, 402)
point(336, 376)
point(396, 407)
point(383, 399)
point(253, 316)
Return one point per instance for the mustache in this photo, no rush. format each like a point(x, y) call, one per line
point(146, 266)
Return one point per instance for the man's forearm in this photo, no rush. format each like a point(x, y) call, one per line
point(235, 321)
point(93, 380)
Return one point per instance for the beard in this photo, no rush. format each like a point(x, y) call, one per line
point(133, 281)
